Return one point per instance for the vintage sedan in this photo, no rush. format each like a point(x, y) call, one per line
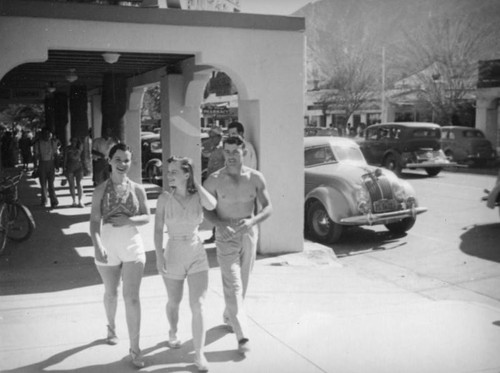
point(151, 154)
point(400, 145)
point(342, 190)
point(467, 145)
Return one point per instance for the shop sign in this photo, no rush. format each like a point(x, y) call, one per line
point(215, 110)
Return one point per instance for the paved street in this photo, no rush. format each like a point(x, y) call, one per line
point(309, 311)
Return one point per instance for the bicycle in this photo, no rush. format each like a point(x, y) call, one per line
point(16, 220)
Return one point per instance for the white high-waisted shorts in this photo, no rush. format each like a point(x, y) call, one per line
point(122, 244)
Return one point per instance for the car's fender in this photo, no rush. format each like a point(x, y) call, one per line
point(154, 162)
point(335, 202)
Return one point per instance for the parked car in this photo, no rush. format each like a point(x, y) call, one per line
point(342, 190)
point(400, 145)
point(151, 154)
point(466, 145)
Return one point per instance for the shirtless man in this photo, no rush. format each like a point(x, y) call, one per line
point(237, 189)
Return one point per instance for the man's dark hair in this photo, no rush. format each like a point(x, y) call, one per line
point(239, 127)
point(234, 140)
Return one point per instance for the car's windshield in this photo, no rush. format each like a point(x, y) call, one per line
point(433, 133)
point(348, 154)
point(319, 155)
point(332, 154)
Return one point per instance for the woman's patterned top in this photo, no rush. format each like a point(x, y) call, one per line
point(119, 200)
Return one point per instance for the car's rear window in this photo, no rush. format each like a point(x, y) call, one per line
point(432, 133)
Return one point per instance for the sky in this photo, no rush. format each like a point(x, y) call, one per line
point(279, 7)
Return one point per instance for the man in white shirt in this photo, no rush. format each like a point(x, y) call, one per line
point(100, 150)
point(46, 152)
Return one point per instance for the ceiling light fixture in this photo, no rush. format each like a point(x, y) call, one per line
point(71, 77)
point(111, 57)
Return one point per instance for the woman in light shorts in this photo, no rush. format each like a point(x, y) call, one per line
point(118, 207)
point(181, 210)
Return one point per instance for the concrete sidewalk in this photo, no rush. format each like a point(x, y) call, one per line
point(308, 313)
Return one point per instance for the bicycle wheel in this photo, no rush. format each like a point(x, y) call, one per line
point(21, 223)
point(4, 221)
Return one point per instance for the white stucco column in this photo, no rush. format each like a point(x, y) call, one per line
point(180, 131)
point(133, 132)
point(249, 116)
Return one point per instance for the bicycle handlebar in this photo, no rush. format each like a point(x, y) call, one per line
point(10, 181)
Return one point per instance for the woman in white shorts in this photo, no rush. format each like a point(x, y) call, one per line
point(181, 210)
point(118, 207)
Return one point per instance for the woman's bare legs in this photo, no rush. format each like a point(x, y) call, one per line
point(79, 188)
point(71, 186)
point(110, 276)
point(175, 289)
point(132, 276)
point(198, 286)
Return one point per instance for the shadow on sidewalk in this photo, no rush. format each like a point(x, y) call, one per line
point(488, 235)
point(359, 240)
point(159, 355)
point(59, 254)
point(45, 366)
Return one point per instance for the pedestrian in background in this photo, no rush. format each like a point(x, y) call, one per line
point(73, 170)
point(46, 150)
point(25, 149)
point(184, 257)
point(100, 151)
point(119, 205)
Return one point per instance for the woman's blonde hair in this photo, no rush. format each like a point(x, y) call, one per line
point(188, 167)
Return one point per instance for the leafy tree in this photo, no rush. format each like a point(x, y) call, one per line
point(25, 116)
point(351, 81)
point(348, 69)
point(151, 106)
point(441, 57)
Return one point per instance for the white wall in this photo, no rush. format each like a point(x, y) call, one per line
point(267, 66)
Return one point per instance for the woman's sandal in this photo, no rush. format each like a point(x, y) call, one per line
point(111, 339)
point(201, 365)
point(137, 360)
point(173, 342)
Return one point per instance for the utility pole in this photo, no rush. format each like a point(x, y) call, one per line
point(383, 104)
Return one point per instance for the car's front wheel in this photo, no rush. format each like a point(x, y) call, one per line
point(321, 227)
point(391, 162)
point(402, 226)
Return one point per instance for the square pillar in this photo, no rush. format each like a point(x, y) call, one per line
point(180, 124)
point(132, 135)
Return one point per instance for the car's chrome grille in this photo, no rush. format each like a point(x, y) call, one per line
point(380, 193)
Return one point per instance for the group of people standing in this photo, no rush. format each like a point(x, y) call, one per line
point(48, 158)
point(234, 198)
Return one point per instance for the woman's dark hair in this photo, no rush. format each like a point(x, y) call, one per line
point(188, 167)
point(121, 146)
